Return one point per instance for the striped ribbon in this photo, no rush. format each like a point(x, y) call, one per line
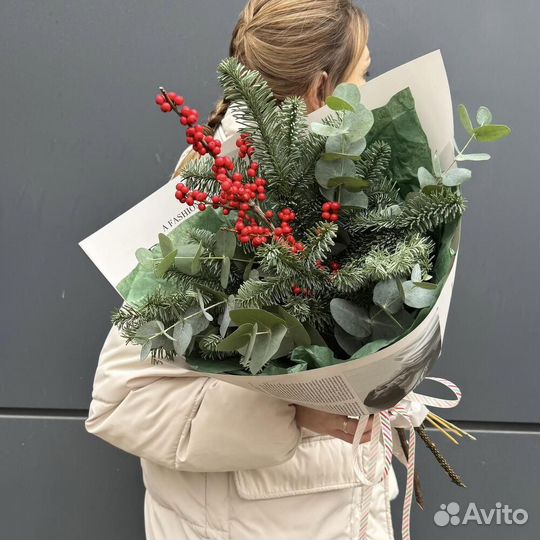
point(408, 413)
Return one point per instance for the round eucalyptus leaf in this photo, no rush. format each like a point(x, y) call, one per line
point(184, 258)
point(350, 344)
point(165, 243)
point(338, 104)
point(225, 243)
point(145, 350)
point(425, 178)
point(339, 146)
point(416, 273)
point(352, 318)
point(358, 123)
point(325, 170)
point(456, 177)
point(196, 262)
point(266, 345)
point(165, 264)
point(473, 157)
point(226, 317)
point(465, 119)
point(196, 319)
point(261, 316)
point(225, 272)
point(483, 116)
point(182, 334)
point(149, 329)
point(437, 169)
point(491, 133)
point(386, 294)
point(359, 199)
point(238, 339)
point(418, 297)
point(350, 94)
point(326, 130)
point(350, 183)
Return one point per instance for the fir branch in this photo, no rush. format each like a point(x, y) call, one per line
point(258, 293)
point(382, 193)
point(198, 174)
point(421, 212)
point(185, 282)
point(257, 112)
point(319, 241)
point(350, 277)
point(208, 347)
point(158, 305)
point(313, 310)
point(294, 121)
point(203, 237)
point(381, 264)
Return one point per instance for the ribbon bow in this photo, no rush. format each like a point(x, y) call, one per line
point(409, 413)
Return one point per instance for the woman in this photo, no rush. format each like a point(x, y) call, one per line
point(219, 461)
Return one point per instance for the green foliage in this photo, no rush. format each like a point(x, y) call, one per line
point(421, 212)
point(198, 174)
point(260, 116)
point(356, 286)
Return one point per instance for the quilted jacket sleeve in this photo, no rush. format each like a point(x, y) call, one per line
point(166, 415)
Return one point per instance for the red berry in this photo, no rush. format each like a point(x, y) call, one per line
point(269, 214)
point(326, 216)
point(179, 100)
point(334, 217)
point(160, 100)
point(336, 207)
point(165, 107)
point(326, 207)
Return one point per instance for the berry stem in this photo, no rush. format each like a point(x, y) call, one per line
point(169, 101)
point(257, 209)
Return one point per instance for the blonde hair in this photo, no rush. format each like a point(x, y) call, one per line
point(289, 42)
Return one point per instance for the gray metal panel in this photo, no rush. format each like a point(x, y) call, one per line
point(59, 482)
point(500, 467)
point(82, 141)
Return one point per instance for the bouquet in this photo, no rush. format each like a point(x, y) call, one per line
point(314, 244)
point(312, 260)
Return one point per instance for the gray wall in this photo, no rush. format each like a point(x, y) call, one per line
point(83, 142)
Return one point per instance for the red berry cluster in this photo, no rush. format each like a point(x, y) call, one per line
point(244, 146)
point(297, 291)
point(202, 143)
point(165, 104)
point(237, 193)
point(184, 195)
point(330, 211)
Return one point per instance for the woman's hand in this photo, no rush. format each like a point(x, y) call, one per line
point(331, 424)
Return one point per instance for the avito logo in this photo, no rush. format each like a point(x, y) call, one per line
point(449, 514)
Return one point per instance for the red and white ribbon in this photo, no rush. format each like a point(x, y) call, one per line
point(409, 413)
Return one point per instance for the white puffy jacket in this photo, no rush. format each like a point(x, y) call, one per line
point(222, 462)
